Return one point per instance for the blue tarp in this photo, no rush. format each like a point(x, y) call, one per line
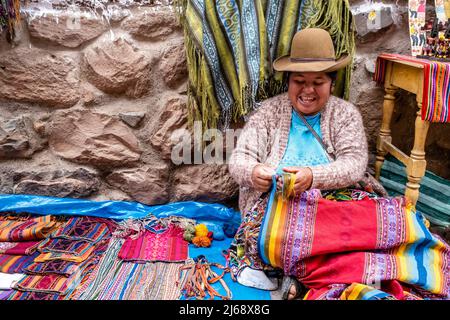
point(216, 216)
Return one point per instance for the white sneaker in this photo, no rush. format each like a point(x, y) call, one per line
point(256, 278)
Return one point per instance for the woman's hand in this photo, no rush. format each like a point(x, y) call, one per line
point(303, 178)
point(262, 177)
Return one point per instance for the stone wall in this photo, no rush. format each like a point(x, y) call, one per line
point(88, 106)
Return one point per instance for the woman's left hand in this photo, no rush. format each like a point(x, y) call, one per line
point(303, 178)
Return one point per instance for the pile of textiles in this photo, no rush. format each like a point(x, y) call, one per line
point(64, 260)
point(105, 249)
point(345, 244)
point(67, 258)
point(20, 237)
point(144, 261)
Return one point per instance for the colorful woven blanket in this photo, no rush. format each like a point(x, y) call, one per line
point(231, 45)
point(56, 267)
point(436, 85)
point(15, 263)
point(52, 283)
point(371, 241)
point(168, 246)
point(434, 200)
point(26, 228)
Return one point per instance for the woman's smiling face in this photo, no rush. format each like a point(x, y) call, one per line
point(309, 91)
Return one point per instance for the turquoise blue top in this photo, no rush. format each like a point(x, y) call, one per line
point(303, 149)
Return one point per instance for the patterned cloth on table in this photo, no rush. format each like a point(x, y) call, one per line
point(15, 263)
point(322, 242)
point(115, 279)
point(436, 85)
point(163, 245)
point(26, 229)
point(231, 45)
point(18, 248)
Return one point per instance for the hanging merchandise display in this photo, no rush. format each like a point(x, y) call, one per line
point(416, 14)
point(430, 34)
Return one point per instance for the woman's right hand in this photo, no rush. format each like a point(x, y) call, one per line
point(262, 177)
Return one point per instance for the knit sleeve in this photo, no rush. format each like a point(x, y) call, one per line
point(250, 149)
point(351, 154)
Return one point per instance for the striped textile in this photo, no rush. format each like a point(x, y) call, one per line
point(26, 229)
point(324, 242)
point(5, 294)
point(168, 246)
point(15, 263)
point(31, 295)
point(19, 248)
point(434, 198)
point(81, 255)
point(436, 85)
point(56, 267)
point(358, 291)
point(231, 45)
point(52, 283)
point(115, 279)
point(67, 246)
point(82, 228)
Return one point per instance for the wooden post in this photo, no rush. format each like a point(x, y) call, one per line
point(385, 130)
point(417, 168)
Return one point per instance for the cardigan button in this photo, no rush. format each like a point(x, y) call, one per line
point(330, 150)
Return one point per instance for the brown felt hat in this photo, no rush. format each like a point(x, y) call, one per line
point(312, 50)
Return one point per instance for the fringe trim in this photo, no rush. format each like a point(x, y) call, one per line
point(9, 16)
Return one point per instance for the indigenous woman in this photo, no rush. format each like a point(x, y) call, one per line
point(294, 158)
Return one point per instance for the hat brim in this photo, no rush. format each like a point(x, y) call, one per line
point(284, 63)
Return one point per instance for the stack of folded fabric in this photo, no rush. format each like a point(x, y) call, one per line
point(141, 263)
point(20, 236)
point(66, 259)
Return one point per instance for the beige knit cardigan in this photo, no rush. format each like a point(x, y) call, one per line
point(264, 140)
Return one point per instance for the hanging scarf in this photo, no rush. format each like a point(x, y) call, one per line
point(9, 16)
point(231, 44)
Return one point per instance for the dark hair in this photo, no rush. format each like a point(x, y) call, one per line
point(332, 75)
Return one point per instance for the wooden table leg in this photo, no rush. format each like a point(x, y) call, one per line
point(385, 130)
point(416, 170)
